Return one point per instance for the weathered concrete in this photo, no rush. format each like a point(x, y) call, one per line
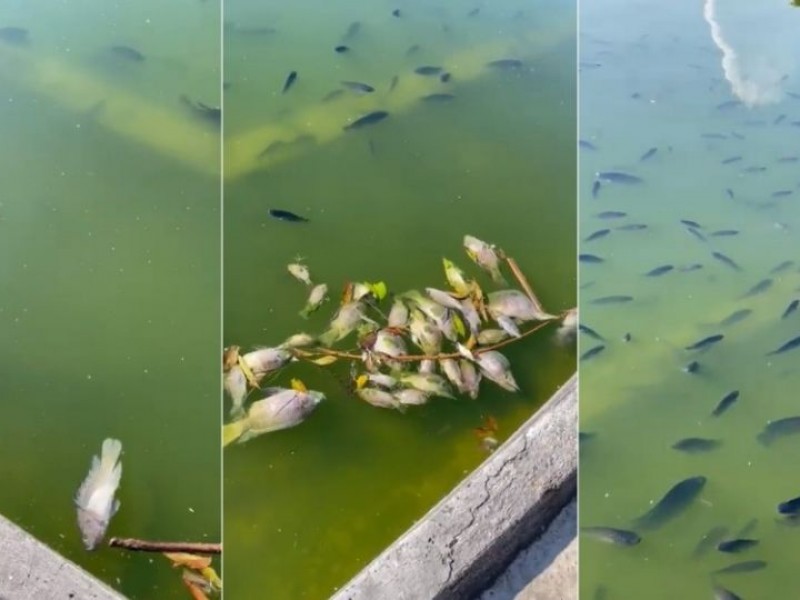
point(29, 570)
point(545, 570)
point(458, 549)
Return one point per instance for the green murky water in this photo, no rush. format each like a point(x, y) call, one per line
point(652, 77)
point(306, 508)
point(109, 270)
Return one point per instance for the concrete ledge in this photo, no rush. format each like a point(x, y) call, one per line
point(29, 570)
point(474, 533)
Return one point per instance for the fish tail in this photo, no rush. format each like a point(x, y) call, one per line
point(105, 471)
point(232, 431)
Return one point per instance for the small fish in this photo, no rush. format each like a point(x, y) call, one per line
point(790, 345)
point(627, 337)
point(731, 159)
point(737, 545)
point(726, 261)
point(659, 271)
point(435, 98)
point(788, 159)
point(721, 593)
point(128, 53)
point(596, 188)
point(632, 227)
point(727, 105)
point(611, 214)
point(592, 352)
point(617, 299)
point(428, 71)
point(299, 272)
point(445, 77)
point(413, 49)
point(597, 235)
point(735, 317)
point(779, 119)
point(648, 155)
point(290, 79)
point(759, 288)
point(95, 498)
point(505, 64)
point(358, 87)
point(725, 403)
point(14, 35)
point(393, 82)
point(790, 507)
point(474, 12)
point(692, 267)
point(591, 332)
point(332, 95)
point(285, 215)
point(589, 258)
point(341, 49)
point(790, 309)
point(729, 192)
point(781, 193)
point(709, 541)
point(696, 445)
point(743, 567)
point(396, 13)
point(690, 223)
point(754, 169)
point(369, 119)
point(787, 264)
point(618, 177)
point(675, 501)
point(706, 342)
point(692, 367)
point(775, 430)
point(352, 30)
point(696, 233)
point(586, 145)
point(610, 535)
point(724, 232)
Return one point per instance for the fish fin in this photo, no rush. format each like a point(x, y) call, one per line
point(232, 431)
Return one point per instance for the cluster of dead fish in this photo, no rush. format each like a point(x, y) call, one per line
point(436, 343)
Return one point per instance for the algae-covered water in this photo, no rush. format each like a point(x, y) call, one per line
point(109, 271)
point(716, 95)
point(307, 507)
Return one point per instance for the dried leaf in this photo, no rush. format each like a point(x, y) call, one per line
point(299, 386)
point(324, 361)
point(184, 559)
point(248, 373)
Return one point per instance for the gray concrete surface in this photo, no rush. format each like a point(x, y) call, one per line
point(466, 541)
point(29, 570)
point(545, 570)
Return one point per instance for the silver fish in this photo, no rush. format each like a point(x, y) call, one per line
point(95, 499)
point(496, 367)
point(485, 256)
point(281, 409)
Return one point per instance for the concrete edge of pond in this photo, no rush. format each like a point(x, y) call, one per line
point(464, 542)
point(30, 570)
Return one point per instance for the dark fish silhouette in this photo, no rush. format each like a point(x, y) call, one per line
point(212, 114)
point(14, 35)
point(790, 507)
point(611, 214)
point(692, 267)
point(393, 82)
point(696, 233)
point(735, 317)
point(709, 541)
point(589, 258)
point(290, 79)
point(595, 188)
point(592, 352)
point(332, 95)
point(341, 49)
point(436, 98)
point(648, 155)
point(428, 71)
point(714, 136)
point(610, 535)
point(696, 445)
point(128, 53)
point(790, 345)
point(396, 13)
point(358, 87)
point(413, 49)
point(369, 119)
point(724, 232)
point(737, 545)
point(732, 159)
point(674, 502)
point(597, 234)
point(725, 403)
point(445, 77)
point(285, 215)
point(790, 309)
point(618, 177)
point(729, 191)
point(690, 223)
point(505, 64)
point(352, 30)
point(787, 264)
point(726, 261)
point(659, 271)
point(586, 145)
point(706, 342)
point(692, 367)
point(591, 332)
point(759, 288)
point(775, 430)
point(618, 299)
point(743, 567)
point(632, 227)
point(728, 105)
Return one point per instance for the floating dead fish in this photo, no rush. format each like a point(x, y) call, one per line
point(648, 155)
point(290, 79)
point(742, 567)
point(358, 87)
point(726, 261)
point(617, 299)
point(597, 235)
point(589, 258)
point(315, 300)
point(435, 98)
point(790, 309)
point(611, 214)
point(674, 502)
point(487, 256)
point(282, 410)
point(737, 545)
point(505, 64)
point(428, 71)
point(618, 177)
point(658, 271)
point(610, 535)
point(721, 593)
point(285, 215)
point(706, 342)
point(128, 53)
point(790, 345)
point(95, 498)
point(696, 445)
point(14, 35)
point(775, 430)
point(725, 403)
point(299, 272)
point(496, 367)
point(735, 317)
point(369, 119)
point(592, 352)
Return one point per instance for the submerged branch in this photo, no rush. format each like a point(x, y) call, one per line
point(523, 282)
point(146, 546)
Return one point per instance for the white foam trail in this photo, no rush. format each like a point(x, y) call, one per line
point(748, 91)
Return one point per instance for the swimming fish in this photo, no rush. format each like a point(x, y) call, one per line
point(341, 49)
point(790, 345)
point(696, 445)
point(777, 429)
point(285, 215)
point(735, 317)
point(659, 271)
point(674, 502)
point(290, 79)
point(352, 30)
point(790, 507)
point(586, 145)
point(14, 35)
point(732, 159)
point(505, 64)
point(435, 98)
point(611, 214)
point(709, 541)
point(726, 402)
point(724, 232)
point(690, 223)
point(589, 258)
point(760, 287)
point(592, 352)
point(632, 227)
point(369, 119)
point(648, 155)
point(618, 177)
point(95, 499)
point(692, 367)
point(790, 309)
point(596, 188)
point(597, 235)
point(358, 87)
point(779, 268)
point(620, 537)
point(721, 593)
point(706, 342)
point(618, 299)
point(743, 567)
point(590, 332)
point(737, 545)
point(727, 261)
point(128, 53)
point(427, 70)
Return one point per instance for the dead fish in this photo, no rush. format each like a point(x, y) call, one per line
point(735, 317)
point(675, 501)
point(617, 299)
point(790, 309)
point(95, 499)
point(725, 403)
point(290, 79)
point(597, 235)
point(658, 271)
point(438, 98)
point(790, 345)
point(592, 352)
point(737, 545)
point(505, 64)
point(369, 119)
point(696, 445)
point(14, 35)
point(619, 537)
point(721, 593)
point(358, 87)
point(726, 261)
point(427, 70)
point(706, 342)
point(777, 429)
point(618, 177)
point(648, 155)
point(759, 288)
point(128, 53)
point(743, 567)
